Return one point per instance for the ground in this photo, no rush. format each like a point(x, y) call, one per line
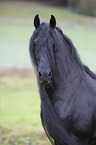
point(20, 72)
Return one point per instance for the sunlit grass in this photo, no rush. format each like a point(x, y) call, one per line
point(20, 136)
point(19, 102)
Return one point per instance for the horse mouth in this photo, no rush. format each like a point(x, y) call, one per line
point(45, 81)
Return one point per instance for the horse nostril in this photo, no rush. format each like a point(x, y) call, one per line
point(49, 75)
point(40, 75)
point(44, 75)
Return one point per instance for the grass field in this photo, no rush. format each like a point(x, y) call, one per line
point(19, 99)
point(19, 112)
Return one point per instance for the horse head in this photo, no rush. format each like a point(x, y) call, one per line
point(42, 49)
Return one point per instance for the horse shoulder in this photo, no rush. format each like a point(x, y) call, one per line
point(78, 110)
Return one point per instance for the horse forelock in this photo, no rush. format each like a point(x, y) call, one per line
point(43, 37)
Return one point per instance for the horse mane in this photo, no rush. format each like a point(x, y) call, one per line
point(59, 131)
point(71, 47)
point(43, 38)
point(89, 72)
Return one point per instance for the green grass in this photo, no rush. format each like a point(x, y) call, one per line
point(19, 95)
point(20, 111)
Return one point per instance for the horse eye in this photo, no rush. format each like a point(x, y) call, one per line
point(34, 43)
point(53, 46)
point(38, 59)
point(55, 50)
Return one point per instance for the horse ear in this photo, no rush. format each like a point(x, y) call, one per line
point(52, 21)
point(36, 21)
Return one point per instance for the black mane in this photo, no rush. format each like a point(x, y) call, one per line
point(71, 47)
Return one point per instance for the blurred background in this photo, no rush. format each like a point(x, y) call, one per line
point(19, 99)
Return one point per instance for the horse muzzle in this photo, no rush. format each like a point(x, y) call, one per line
point(45, 77)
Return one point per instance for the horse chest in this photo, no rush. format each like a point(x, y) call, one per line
point(77, 120)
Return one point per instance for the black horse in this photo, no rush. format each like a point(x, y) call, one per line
point(67, 87)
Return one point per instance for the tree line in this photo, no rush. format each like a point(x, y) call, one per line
point(87, 7)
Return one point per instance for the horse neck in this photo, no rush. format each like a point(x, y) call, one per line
point(65, 79)
point(69, 68)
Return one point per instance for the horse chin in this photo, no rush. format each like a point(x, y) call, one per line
point(45, 82)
